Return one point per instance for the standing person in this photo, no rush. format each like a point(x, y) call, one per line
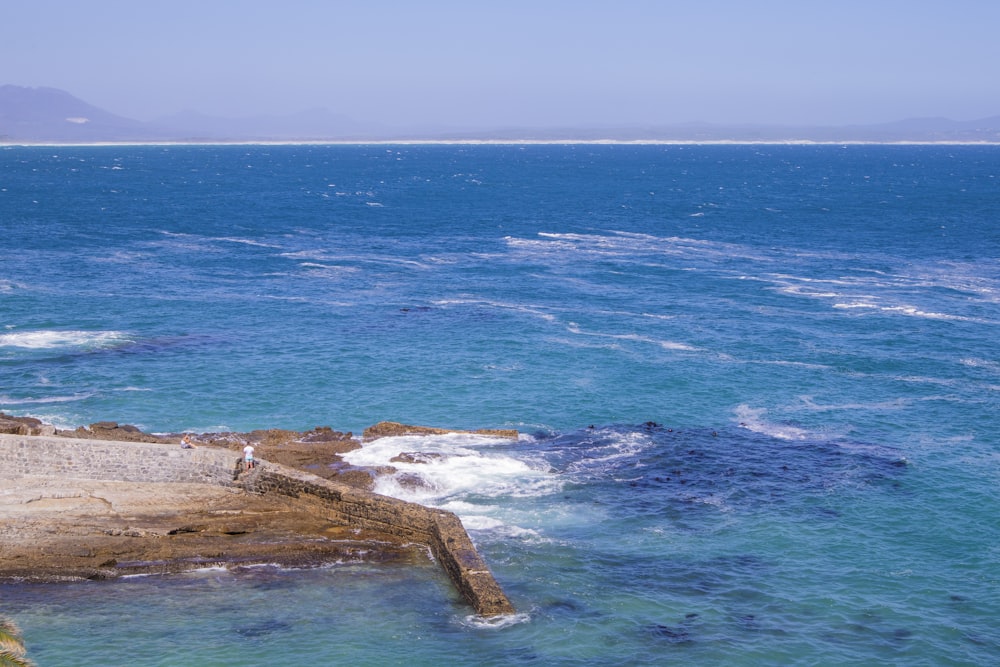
point(248, 456)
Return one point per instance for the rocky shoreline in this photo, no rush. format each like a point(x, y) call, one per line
point(54, 529)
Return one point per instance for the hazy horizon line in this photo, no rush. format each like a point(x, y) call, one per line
point(496, 142)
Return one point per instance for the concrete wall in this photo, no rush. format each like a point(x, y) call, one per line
point(72, 458)
point(109, 460)
point(441, 530)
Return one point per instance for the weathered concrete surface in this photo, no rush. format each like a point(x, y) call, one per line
point(334, 504)
point(386, 429)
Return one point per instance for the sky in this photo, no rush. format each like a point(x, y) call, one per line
point(516, 63)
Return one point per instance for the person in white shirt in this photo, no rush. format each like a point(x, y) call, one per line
point(248, 456)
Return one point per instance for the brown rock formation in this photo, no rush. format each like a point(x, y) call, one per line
point(53, 529)
point(96, 527)
point(24, 426)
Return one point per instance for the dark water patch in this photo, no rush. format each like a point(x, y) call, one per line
point(655, 469)
point(263, 629)
point(682, 632)
point(737, 578)
point(826, 513)
point(568, 607)
point(522, 655)
point(671, 633)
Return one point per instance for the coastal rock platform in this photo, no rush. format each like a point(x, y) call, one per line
point(109, 501)
point(59, 529)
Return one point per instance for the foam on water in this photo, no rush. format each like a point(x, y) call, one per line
point(54, 339)
point(753, 420)
point(436, 470)
point(9, 400)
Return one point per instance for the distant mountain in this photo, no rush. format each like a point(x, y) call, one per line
point(52, 115)
point(49, 115)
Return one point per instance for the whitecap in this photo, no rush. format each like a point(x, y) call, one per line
point(894, 404)
point(49, 339)
point(7, 400)
point(752, 420)
point(452, 467)
point(495, 622)
point(250, 242)
point(856, 304)
point(574, 328)
point(912, 311)
point(973, 362)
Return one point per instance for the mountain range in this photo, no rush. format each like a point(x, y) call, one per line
point(48, 115)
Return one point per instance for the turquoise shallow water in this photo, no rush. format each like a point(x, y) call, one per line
point(757, 387)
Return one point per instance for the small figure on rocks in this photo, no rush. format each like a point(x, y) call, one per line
point(186, 442)
point(248, 456)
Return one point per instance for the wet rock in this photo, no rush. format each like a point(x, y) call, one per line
point(416, 457)
point(272, 436)
point(12, 425)
point(326, 434)
point(108, 430)
point(412, 481)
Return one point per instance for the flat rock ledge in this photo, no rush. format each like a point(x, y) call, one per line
point(66, 529)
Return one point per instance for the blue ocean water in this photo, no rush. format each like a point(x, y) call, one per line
point(757, 388)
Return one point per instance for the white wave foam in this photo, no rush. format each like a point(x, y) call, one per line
point(54, 339)
point(752, 419)
point(973, 362)
point(857, 304)
point(895, 404)
point(536, 311)
point(454, 468)
point(196, 238)
point(622, 243)
point(7, 400)
point(250, 242)
point(616, 446)
point(911, 311)
point(496, 622)
point(315, 268)
point(574, 328)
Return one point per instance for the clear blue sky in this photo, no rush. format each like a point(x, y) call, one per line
point(479, 63)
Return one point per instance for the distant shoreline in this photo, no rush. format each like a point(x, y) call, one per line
point(495, 142)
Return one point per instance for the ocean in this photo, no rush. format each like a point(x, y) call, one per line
point(756, 386)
